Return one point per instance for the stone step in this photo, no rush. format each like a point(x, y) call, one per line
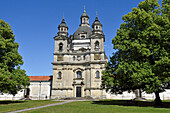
point(77, 98)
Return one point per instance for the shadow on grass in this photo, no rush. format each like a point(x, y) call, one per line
point(11, 101)
point(132, 103)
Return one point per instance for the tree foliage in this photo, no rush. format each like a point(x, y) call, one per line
point(12, 78)
point(142, 43)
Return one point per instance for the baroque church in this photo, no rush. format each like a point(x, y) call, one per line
point(79, 60)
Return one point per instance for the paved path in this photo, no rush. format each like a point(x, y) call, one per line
point(41, 106)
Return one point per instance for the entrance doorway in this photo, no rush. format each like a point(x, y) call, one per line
point(78, 91)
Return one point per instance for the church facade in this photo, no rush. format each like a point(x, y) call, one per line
point(79, 60)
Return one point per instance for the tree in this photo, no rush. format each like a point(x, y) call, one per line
point(142, 43)
point(12, 78)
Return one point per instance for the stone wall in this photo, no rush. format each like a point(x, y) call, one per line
point(164, 95)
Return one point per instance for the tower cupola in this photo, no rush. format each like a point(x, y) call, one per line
point(63, 28)
point(97, 26)
point(84, 19)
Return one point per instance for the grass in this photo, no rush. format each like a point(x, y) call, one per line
point(105, 106)
point(6, 106)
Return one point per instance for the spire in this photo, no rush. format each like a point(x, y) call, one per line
point(96, 19)
point(63, 15)
point(84, 10)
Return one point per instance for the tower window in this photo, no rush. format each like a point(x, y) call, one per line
point(97, 74)
point(79, 74)
point(59, 75)
point(60, 47)
point(84, 20)
point(74, 58)
point(84, 57)
point(96, 27)
point(96, 45)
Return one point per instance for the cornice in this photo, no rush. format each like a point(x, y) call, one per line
point(79, 53)
point(79, 62)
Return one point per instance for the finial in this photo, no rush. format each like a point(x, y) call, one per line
point(63, 15)
point(84, 9)
point(63, 21)
point(96, 14)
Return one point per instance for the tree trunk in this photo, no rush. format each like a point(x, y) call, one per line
point(157, 99)
point(140, 93)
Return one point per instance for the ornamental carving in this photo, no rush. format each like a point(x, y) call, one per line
point(97, 57)
point(60, 58)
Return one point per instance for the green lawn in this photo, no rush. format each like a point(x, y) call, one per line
point(6, 106)
point(105, 106)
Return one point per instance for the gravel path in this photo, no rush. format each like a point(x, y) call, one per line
point(41, 106)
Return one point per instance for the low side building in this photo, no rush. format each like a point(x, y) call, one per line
point(39, 89)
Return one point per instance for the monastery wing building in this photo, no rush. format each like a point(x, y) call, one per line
point(79, 60)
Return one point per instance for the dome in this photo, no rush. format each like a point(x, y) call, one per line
point(82, 29)
point(63, 24)
point(84, 14)
point(96, 22)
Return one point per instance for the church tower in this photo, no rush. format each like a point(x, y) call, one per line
point(84, 19)
point(79, 60)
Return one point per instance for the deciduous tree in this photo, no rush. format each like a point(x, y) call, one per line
point(12, 77)
point(142, 43)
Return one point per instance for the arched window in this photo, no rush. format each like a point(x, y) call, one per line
point(96, 27)
point(59, 75)
point(96, 45)
point(97, 74)
point(79, 75)
point(60, 47)
point(74, 58)
point(82, 37)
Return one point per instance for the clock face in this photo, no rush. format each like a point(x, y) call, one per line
point(78, 58)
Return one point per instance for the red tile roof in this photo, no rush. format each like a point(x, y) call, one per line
point(39, 78)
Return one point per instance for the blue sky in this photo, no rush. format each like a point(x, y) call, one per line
point(35, 22)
